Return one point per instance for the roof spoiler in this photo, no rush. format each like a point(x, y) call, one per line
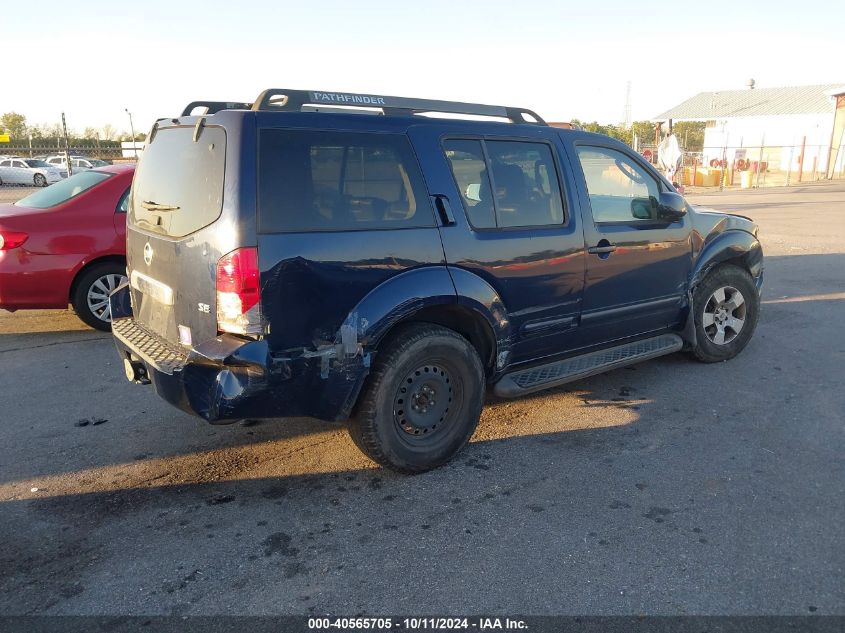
point(282, 99)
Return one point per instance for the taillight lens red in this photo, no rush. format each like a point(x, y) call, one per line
point(11, 239)
point(239, 292)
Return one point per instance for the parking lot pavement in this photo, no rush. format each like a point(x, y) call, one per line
point(13, 193)
point(669, 487)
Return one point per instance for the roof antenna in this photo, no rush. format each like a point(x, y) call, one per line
point(750, 83)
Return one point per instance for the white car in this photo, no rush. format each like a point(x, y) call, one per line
point(79, 163)
point(28, 171)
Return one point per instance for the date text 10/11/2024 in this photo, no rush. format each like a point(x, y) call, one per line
point(417, 624)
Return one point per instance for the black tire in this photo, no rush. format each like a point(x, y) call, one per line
point(84, 283)
point(419, 356)
point(728, 278)
point(39, 180)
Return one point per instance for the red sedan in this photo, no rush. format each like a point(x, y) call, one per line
point(67, 244)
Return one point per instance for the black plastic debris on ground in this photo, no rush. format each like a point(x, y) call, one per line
point(91, 421)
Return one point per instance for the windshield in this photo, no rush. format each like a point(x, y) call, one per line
point(64, 190)
point(96, 162)
point(36, 163)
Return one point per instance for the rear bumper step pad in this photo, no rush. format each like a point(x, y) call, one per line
point(525, 381)
point(151, 349)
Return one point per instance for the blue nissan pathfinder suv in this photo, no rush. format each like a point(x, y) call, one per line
point(344, 256)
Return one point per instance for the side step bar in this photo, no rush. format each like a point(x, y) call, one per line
point(525, 381)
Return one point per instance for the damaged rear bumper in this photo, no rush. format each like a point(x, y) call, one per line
point(228, 378)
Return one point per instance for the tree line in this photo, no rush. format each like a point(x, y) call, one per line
point(690, 134)
point(15, 125)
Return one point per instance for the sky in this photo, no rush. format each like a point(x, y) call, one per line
point(93, 59)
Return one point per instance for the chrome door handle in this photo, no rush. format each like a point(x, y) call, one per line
point(598, 250)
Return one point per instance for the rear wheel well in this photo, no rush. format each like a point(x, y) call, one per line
point(468, 323)
point(100, 260)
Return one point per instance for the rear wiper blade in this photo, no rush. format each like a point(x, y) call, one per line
point(149, 205)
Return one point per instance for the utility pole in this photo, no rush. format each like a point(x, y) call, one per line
point(67, 148)
point(626, 118)
point(132, 127)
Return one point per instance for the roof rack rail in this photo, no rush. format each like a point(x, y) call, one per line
point(283, 99)
point(212, 107)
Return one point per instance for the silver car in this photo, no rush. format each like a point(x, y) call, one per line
point(27, 171)
point(79, 163)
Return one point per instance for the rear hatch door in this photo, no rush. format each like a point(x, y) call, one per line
point(173, 237)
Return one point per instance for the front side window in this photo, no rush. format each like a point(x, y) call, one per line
point(506, 183)
point(36, 163)
point(620, 190)
point(339, 181)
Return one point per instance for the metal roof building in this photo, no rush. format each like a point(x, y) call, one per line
point(808, 118)
point(707, 106)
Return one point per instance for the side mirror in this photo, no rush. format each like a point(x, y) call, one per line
point(671, 206)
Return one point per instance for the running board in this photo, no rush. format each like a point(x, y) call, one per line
point(525, 381)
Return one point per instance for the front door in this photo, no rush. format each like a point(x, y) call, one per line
point(516, 227)
point(637, 264)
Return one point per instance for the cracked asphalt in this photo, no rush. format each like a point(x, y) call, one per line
point(671, 487)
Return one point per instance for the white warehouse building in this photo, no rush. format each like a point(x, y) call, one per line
point(741, 123)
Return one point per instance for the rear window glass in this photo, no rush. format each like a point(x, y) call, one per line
point(178, 185)
point(335, 181)
point(63, 190)
point(527, 188)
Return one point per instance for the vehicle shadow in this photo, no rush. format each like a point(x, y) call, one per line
point(302, 530)
point(619, 465)
point(148, 443)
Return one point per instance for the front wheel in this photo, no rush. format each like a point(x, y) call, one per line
point(727, 306)
point(422, 400)
point(40, 180)
point(91, 292)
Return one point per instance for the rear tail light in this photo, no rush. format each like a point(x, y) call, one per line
point(10, 240)
point(239, 292)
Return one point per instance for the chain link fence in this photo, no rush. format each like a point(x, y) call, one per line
point(716, 167)
point(711, 168)
point(22, 165)
point(761, 166)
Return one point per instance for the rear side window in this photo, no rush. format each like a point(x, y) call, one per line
point(178, 185)
point(466, 158)
point(63, 190)
point(336, 181)
point(506, 183)
point(620, 190)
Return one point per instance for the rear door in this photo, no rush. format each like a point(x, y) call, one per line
point(637, 263)
point(175, 231)
point(21, 173)
point(516, 226)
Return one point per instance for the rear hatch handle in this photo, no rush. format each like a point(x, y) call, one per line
point(149, 205)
